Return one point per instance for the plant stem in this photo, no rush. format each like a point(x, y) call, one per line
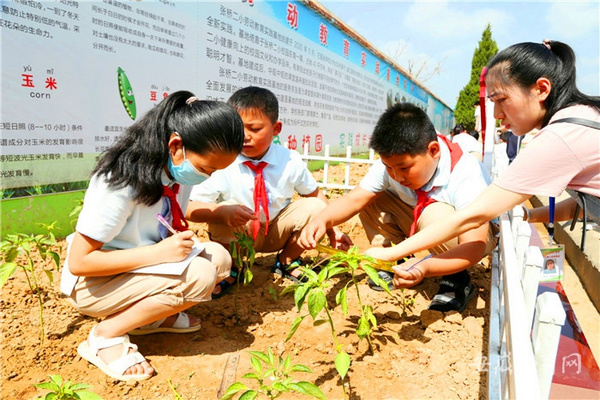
point(362, 310)
point(33, 286)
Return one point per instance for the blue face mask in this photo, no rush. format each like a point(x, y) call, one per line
point(185, 173)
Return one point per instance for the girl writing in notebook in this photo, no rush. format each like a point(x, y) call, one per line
point(149, 171)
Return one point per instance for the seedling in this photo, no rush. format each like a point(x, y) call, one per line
point(243, 255)
point(174, 390)
point(20, 244)
point(66, 390)
point(276, 371)
point(313, 293)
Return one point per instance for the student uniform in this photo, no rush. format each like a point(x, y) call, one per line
point(388, 219)
point(112, 217)
point(284, 175)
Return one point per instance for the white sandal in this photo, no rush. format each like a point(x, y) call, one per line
point(89, 349)
point(181, 325)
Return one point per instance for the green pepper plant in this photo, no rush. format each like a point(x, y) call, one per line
point(20, 244)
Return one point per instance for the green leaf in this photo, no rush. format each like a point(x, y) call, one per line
point(280, 387)
point(287, 364)
point(6, 271)
point(308, 389)
point(316, 302)
point(233, 389)
point(48, 386)
point(248, 277)
point(256, 364)
point(300, 368)
point(260, 355)
point(251, 375)
point(55, 257)
point(342, 363)
point(50, 275)
point(300, 294)
point(335, 271)
point(319, 322)
point(289, 289)
point(363, 329)
point(370, 316)
point(79, 386)
point(342, 299)
point(86, 395)
point(271, 356)
point(11, 254)
point(295, 326)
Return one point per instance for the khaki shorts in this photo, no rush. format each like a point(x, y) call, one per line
point(101, 296)
point(291, 220)
point(387, 220)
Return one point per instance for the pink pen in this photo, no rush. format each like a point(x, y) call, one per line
point(164, 223)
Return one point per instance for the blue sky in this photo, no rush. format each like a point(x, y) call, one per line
point(447, 32)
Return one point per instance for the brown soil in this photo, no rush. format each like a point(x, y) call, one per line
point(419, 354)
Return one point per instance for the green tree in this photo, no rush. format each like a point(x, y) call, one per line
point(464, 112)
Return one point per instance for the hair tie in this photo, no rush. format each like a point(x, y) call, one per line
point(547, 43)
point(191, 100)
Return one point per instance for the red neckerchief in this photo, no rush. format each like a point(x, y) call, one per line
point(260, 197)
point(179, 222)
point(423, 200)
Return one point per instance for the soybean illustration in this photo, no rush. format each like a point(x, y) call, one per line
point(126, 93)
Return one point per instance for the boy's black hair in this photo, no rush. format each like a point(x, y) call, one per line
point(138, 158)
point(474, 133)
point(457, 129)
point(402, 129)
point(256, 97)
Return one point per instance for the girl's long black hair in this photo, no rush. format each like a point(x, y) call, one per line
point(524, 63)
point(138, 158)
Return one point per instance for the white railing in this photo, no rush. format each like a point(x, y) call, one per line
point(327, 158)
point(521, 361)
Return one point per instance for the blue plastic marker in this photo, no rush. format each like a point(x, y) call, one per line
point(419, 262)
point(551, 220)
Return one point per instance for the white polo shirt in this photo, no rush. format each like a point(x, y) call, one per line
point(457, 188)
point(468, 143)
point(112, 217)
point(284, 175)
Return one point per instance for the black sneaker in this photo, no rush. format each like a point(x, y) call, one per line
point(452, 295)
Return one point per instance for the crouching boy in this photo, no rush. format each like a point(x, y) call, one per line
point(420, 178)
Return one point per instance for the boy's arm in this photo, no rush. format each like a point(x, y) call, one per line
point(336, 212)
point(470, 250)
point(337, 238)
point(230, 214)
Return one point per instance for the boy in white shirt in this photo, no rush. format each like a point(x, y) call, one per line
point(420, 178)
point(234, 200)
point(467, 142)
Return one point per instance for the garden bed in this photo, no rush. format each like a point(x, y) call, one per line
point(418, 354)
